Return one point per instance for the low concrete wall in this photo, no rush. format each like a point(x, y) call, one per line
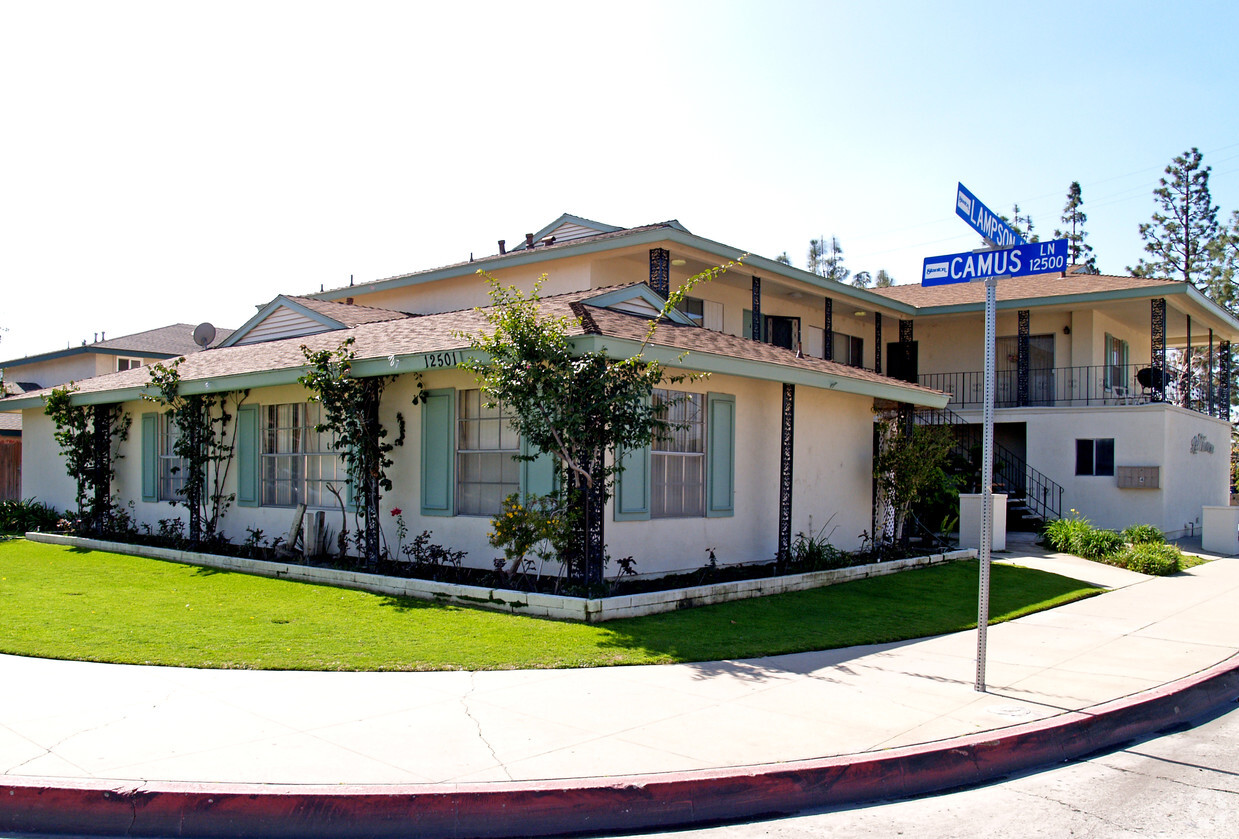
point(592, 610)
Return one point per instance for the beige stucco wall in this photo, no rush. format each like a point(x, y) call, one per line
point(1144, 435)
point(832, 478)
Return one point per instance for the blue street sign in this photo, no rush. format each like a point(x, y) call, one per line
point(984, 220)
point(1033, 258)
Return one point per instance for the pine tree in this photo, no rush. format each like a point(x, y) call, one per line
point(1020, 223)
point(862, 279)
point(826, 259)
point(884, 280)
point(1081, 253)
point(783, 258)
point(1224, 251)
point(817, 254)
point(1182, 230)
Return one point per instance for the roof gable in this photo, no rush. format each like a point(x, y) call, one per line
point(568, 227)
point(283, 317)
point(640, 300)
point(293, 317)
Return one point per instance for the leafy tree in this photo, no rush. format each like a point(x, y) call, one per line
point(783, 258)
point(1081, 253)
point(909, 465)
point(203, 445)
point(1182, 230)
point(862, 279)
point(351, 416)
point(883, 279)
point(578, 406)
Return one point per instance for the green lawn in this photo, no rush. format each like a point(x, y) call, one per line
point(59, 602)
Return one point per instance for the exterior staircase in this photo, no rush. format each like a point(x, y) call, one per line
point(1032, 497)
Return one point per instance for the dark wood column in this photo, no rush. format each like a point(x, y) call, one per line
point(1022, 357)
point(660, 271)
point(1158, 347)
point(755, 330)
point(785, 473)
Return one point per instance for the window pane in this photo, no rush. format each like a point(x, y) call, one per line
point(1084, 457)
point(1104, 461)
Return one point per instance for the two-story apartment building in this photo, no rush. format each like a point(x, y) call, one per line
point(779, 436)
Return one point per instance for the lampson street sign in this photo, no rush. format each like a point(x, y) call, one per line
point(1020, 261)
point(984, 220)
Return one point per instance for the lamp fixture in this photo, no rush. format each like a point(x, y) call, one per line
point(679, 263)
point(860, 313)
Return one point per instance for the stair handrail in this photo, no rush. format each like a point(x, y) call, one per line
point(1046, 501)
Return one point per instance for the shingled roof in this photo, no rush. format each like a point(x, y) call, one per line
point(164, 342)
point(425, 334)
point(1019, 288)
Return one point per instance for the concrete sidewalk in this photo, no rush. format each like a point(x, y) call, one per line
point(94, 728)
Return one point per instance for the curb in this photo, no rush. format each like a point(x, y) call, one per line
point(636, 802)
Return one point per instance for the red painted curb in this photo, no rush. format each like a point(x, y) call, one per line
point(587, 805)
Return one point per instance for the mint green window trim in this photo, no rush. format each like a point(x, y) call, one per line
point(150, 457)
point(439, 453)
point(248, 490)
point(720, 455)
point(538, 477)
point(632, 486)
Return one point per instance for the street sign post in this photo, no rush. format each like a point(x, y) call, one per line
point(984, 220)
point(1019, 261)
point(1011, 257)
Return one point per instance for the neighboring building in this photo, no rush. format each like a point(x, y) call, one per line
point(103, 356)
point(797, 365)
point(10, 457)
point(35, 372)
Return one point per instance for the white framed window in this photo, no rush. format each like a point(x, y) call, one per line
point(171, 466)
point(127, 363)
point(486, 469)
point(678, 457)
point(298, 462)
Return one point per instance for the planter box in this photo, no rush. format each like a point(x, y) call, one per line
point(593, 610)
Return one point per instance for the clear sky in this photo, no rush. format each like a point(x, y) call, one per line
point(168, 162)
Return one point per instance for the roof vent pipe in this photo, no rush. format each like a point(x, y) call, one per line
point(502, 249)
point(529, 240)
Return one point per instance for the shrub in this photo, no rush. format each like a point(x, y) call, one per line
point(29, 514)
point(1064, 534)
point(1143, 534)
point(1149, 558)
point(1097, 544)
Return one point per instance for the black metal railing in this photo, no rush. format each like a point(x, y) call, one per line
point(1093, 385)
point(1024, 484)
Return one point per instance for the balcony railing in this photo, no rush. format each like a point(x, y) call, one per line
point(1111, 384)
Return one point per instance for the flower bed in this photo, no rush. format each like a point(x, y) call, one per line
point(592, 610)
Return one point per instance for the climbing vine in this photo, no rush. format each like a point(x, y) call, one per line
point(351, 416)
point(202, 443)
point(89, 439)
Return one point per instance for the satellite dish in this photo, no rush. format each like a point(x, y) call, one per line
point(204, 334)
